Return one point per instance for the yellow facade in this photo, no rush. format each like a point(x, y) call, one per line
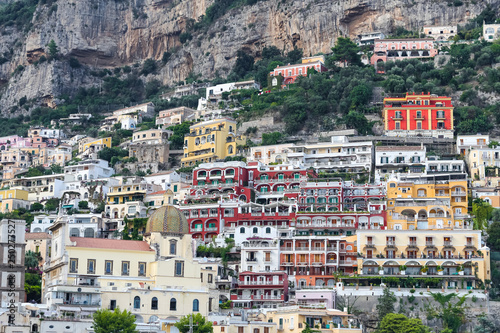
point(427, 204)
point(12, 199)
point(104, 141)
point(209, 141)
point(453, 254)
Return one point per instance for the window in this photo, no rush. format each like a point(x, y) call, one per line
point(398, 125)
point(179, 268)
point(90, 266)
point(242, 230)
point(255, 230)
point(142, 269)
point(154, 303)
point(419, 114)
point(73, 265)
point(268, 230)
point(125, 267)
point(173, 304)
point(196, 305)
point(112, 304)
point(210, 278)
point(137, 302)
point(240, 329)
point(173, 247)
point(108, 267)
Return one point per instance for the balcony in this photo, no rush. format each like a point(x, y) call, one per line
point(251, 259)
point(261, 283)
point(216, 176)
point(332, 248)
point(390, 243)
point(286, 248)
point(459, 194)
point(447, 243)
point(211, 229)
point(412, 243)
point(429, 243)
point(287, 263)
point(318, 248)
point(302, 248)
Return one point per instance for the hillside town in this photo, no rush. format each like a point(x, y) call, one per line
point(279, 236)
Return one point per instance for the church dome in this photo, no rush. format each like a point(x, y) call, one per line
point(167, 219)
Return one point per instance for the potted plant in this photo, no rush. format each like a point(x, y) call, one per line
point(460, 270)
point(402, 269)
point(424, 270)
point(440, 270)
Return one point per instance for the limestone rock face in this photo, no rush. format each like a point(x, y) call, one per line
point(110, 33)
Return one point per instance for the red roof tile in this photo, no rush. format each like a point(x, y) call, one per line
point(159, 192)
point(116, 244)
point(37, 235)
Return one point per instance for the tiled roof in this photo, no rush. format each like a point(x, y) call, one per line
point(116, 244)
point(158, 192)
point(37, 235)
point(397, 148)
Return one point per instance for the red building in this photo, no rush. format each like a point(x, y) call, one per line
point(290, 73)
point(418, 115)
point(398, 49)
point(260, 289)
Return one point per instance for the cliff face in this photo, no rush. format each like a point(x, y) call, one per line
point(109, 33)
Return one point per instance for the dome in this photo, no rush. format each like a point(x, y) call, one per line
point(167, 219)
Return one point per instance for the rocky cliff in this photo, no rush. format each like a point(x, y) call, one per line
point(110, 33)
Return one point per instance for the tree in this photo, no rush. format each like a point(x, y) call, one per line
point(53, 49)
point(486, 325)
point(385, 303)
point(482, 213)
point(35, 207)
point(357, 121)
point(106, 321)
point(244, 64)
point(202, 325)
point(31, 260)
point(308, 329)
point(271, 138)
point(399, 323)
point(83, 204)
point(51, 204)
point(452, 315)
point(493, 240)
point(346, 51)
point(108, 153)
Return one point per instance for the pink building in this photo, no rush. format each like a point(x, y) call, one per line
point(291, 72)
point(15, 141)
point(399, 49)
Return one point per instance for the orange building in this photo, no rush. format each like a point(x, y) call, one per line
point(418, 115)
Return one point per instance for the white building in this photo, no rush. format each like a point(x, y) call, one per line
point(491, 32)
point(214, 93)
point(81, 225)
point(434, 164)
point(40, 188)
point(369, 38)
point(166, 179)
point(339, 155)
point(468, 142)
point(440, 33)
point(88, 169)
point(260, 254)
point(400, 159)
point(270, 154)
point(41, 223)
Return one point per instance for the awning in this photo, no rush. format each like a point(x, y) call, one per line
point(67, 206)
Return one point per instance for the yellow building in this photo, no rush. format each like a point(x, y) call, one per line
point(484, 166)
point(12, 199)
point(155, 278)
point(294, 319)
point(128, 199)
point(209, 141)
point(455, 255)
point(105, 142)
point(428, 201)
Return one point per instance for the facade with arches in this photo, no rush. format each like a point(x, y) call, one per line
point(399, 49)
point(491, 32)
point(456, 255)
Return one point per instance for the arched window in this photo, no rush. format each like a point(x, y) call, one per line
point(242, 230)
point(154, 303)
point(196, 305)
point(137, 302)
point(173, 304)
point(268, 230)
point(173, 247)
point(255, 230)
point(230, 150)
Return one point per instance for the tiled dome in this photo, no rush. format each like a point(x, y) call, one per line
point(167, 219)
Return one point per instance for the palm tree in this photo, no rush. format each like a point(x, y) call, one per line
point(31, 260)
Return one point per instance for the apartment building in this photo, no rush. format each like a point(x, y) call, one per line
point(95, 144)
point(339, 155)
point(428, 201)
point(434, 164)
point(270, 154)
point(215, 94)
point(40, 188)
point(171, 117)
point(284, 75)
point(77, 278)
point(491, 32)
point(369, 38)
point(210, 141)
point(454, 256)
point(260, 289)
point(399, 49)
point(127, 198)
point(441, 33)
point(46, 133)
point(467, 142)
point(389, 159)
point(152, 136)
point(418, 115)
point(484, 164)
point(12, 199)
point(260, 253)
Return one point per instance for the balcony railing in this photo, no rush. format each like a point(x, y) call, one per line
point(260, 283)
